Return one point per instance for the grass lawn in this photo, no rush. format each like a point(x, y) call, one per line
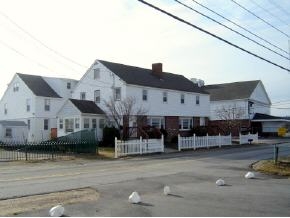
point(282, 168)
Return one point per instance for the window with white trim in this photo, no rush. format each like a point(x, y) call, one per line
point(96, 73)
point(69, 125)
point(144, 95)
point(101, 123)
point(15, 87)
point(185, 123)
point(197, 100)
point(164, 97)
point(77, 123)
point(28, 124)
point(68, 85)
point(8, 132)
point(83, 96)
point(157, 122)
point(5, 108)
point(47, 104)
point(97, 94)
point(94, 123)
point(202, 121)
point(86, 123)
point(182, 99)
point(45, 124)
point(118, 94)
point(28, 101)
point(60, 123)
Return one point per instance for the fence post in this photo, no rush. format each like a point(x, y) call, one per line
point(140, 141)
point(276, 153)
point(194, 144)
point(207, 141)
point(162, 142)
point(220, 141)
point(116, 148)
point(26, 152)
point(179, 143)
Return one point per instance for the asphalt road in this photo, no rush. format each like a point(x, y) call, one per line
point(191, 176)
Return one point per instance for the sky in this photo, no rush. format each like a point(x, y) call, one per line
point(62, 38)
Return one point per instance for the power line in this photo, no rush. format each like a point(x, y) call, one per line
point(252, 13)
point(21, 54)
point(238, 25)
point(41, 43)
point(225, 26)
point(269, 12)
point(279, 7)
point(211, 34)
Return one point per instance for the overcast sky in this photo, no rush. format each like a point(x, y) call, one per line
point(62, 38)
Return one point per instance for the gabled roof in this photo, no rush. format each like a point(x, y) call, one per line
point(87, 107)
point(12, 123)
point(231, 91)
point(144, 77)
point(38, 85)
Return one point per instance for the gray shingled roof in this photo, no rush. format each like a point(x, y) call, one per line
point(12, 123)
point(231, 91)
point(144, 77)
point(87, 107)
point(38, 85)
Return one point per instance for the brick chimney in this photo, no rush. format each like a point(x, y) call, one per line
point(157, 69)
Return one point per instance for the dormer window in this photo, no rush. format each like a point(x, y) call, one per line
point(97, 73)
point(16, 87)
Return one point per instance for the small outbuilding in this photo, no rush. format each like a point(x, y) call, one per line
point(77, 115)
point(13, 131)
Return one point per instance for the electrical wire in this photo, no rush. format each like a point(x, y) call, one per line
point(269, 12)
point(279, 7)
point(238, 25)
point(225, 26)
point(40, 42)
point(21, 54)
point(211, 34)
point(252, 13)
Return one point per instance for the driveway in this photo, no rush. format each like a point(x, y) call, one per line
point(191, 176)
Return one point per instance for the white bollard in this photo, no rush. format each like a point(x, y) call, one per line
point(56, 211)
point(134, 198)
point(166, 190)
point(220, 182)
point(250, 175)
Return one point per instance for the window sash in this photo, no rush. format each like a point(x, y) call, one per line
point(69, 125)
point(144, 95)
point(94, 123)
point(77, 123)
point(97, 96)
point(164, 97)
point(83, 96)
point(197, 100)
point(182, 99)
point(118, 94)
point(185, 123)
point(60, 123)
point(86, 123)
point(8, 132)
point(45, 124)
point(68, 85)
point(47, 104)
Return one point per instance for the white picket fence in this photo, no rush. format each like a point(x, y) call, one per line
point(244, 139)
point(203, 141)
point(141, 146)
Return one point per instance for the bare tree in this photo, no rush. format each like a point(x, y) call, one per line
point(123, 112)
point(231, 117)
